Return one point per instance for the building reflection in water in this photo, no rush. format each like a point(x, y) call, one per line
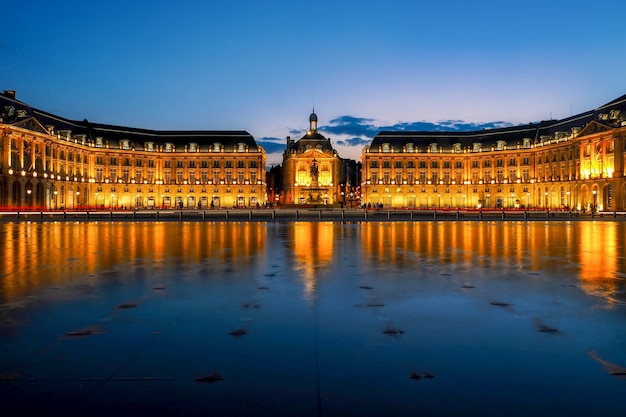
point(592, 252)
point(48, 255)
point(312, 245)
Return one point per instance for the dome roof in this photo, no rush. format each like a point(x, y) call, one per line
point(313, 117)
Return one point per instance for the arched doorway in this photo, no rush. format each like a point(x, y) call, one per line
point(607, 198)
point(39, 196)
point(16, 195)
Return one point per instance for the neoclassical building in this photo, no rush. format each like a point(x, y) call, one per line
point(49, 162)
point(577, 162)
point(312, 170)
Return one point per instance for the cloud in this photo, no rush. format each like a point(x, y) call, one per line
point(272, 145)
point(352, 126)
point(356, 132)
point(354, 141)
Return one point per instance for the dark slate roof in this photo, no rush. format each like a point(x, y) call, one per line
point(612, 114)
point(312, 140)
point(114, 134)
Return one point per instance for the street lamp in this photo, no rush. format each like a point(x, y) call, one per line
point(545, 202)
point(55, 199)
point(569, 203)
point(77, 203)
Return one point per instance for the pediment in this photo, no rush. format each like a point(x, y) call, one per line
point(314, 153)
point(31, 124)
point(594, 127)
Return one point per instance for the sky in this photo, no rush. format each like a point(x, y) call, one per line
point(263, 66)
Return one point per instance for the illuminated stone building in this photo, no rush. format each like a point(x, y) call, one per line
point(577, 162)
point(49, 162)
point(312, 170)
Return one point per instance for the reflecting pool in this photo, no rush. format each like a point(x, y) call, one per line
point(314, 318)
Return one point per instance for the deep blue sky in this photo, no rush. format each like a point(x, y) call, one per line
point(262, 65)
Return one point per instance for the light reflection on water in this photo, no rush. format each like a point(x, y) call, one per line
point(332, 318)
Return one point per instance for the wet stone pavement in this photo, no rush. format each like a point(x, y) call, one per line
point(313, 319)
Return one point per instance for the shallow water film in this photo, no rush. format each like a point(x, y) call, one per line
point(314, 318)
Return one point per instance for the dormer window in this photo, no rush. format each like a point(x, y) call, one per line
point(476, 147)
point(456, 147)
point(169, 147)
point(125, 144)
point(241, 147)
point(150, 146)
point(193, 147)
point(386, 147)
point(217, 147)
point(500, 145)
point(433, 147)
point(526, 143)
point(410, 147)
point(99, 142)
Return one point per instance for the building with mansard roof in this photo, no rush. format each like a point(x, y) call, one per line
point(313, 172)
point(49, 162)
point(574, 163)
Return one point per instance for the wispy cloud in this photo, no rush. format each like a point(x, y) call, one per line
point(357, 132)
point(272, 145)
